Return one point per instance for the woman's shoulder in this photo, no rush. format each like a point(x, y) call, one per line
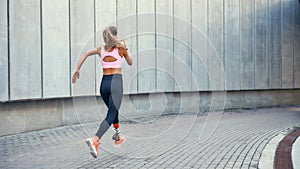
point(121, 48)
point(100, 49)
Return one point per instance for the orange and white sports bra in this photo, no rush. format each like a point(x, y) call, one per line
point(114, 53)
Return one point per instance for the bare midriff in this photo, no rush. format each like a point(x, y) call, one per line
point(111, 71)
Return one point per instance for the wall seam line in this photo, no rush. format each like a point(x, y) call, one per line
point(41, 38)
point(70, 50)
point(8, 51)
point(95, 60)
point(155, 43)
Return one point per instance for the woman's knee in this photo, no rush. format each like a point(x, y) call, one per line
point(111, 116)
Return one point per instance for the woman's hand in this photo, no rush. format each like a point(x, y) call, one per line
point(75, 76)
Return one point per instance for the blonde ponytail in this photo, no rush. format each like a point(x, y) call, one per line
point(108, 36)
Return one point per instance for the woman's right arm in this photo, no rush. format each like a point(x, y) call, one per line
point(128, 58)
point(125, 52)
point(81, 61)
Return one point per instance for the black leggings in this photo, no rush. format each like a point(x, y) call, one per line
point(111, 91)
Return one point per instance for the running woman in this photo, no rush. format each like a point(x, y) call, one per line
point(111, 89)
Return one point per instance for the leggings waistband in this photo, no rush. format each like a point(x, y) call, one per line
point(109, 77)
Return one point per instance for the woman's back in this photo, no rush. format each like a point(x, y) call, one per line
point(111, 58)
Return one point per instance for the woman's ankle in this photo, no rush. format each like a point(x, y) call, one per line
point(96, 138)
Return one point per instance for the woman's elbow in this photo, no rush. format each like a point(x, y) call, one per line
point(129, 61)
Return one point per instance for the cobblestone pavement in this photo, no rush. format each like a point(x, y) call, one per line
point(164, 142)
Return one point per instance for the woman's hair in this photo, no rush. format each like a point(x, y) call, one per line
point(108, 36)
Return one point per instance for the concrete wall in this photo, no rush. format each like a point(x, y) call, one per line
point(3, 51)
point(55, 49)
point(25, 46)
point(199, 45)
point(180, 51)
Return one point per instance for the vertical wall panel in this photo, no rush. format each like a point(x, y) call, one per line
point(261, 44)
point(164, 47)
point(200, 43)
point(55, 21)
point(127, 24)
point(246, 45)
point(296, 44)
point(287, 44)
point(25, 49)
point(3, 51)
point(182, 46)
point(275, 49)
point(105, 16)
point(82, 39)
point(215, 59)
point(146, 46)
point(232, 45)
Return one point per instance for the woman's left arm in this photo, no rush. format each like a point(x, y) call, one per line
point(81, 61)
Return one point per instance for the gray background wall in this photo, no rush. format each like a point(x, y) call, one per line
point(191, 45)
point(186, 53)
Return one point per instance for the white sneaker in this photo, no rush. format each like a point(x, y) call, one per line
point(93, 146)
